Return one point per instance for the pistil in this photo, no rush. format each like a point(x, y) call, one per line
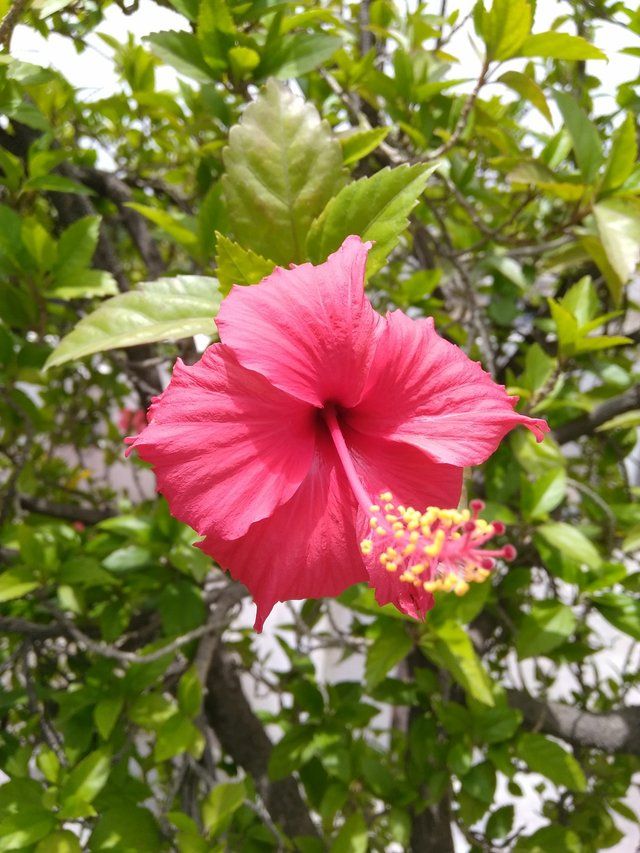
point(432, 550)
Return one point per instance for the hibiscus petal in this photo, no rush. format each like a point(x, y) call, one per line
point(310, 330)
point(425, 391)
point(414, 480)
point(308, 548)
point(227, 447)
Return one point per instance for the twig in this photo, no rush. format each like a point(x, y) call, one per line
point(10, 21)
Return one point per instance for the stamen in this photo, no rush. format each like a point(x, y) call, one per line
point(443, 548)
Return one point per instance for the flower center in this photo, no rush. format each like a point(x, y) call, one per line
point(438, 549)
point(435, 550)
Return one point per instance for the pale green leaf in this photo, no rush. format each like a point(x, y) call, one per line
point(548, 758)
point(587, 146)
point(164, 310)
point(56, 183)
point(623, 155)
point(353, 836)
point(627, 420)
point(88, 778)
point(77, 244)
point(548, 625)
point(282, 166)
point(359, 143)
point(552, 45)
point(237, 265)
point(83, 284)
point(178, 226)
point(297, 54)
point(505, 27)
point(618, 222)
point(220, 805)
point(63, 841)
point(14, 583)
point(528, 89)
point(450, 647)
point(571, 542)
point(182, 51)
point(377, 208)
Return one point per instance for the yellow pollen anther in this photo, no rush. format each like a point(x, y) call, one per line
point(374, 508)
point(366, 546)
point(391, 567)
point(399, 534)
point(461, 587)
point(408, 549)
point(373, 522)
point(380, 531)
point(390, 517)
point(418, 569)
point(386, 496)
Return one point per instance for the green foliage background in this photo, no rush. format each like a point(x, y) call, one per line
point(508, 208)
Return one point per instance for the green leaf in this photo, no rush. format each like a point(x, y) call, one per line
point(106, 713)
point(377, 208)
point(627, 420)
point(480, 782)
point(88, 778)
point(282, 166)
point(505, 27)
point(359, 143)
point(76, 245)
point(127, 829)
point(500, 822)
point(59, 842)
point(618, 222)
point(190, 693)
point(623, 155)
point(449, 646)
point(552, 45)
point(164, 310)
point(528, 89)
point(548, 758)
point(353, 836)
point(297, 54)
point(571, 542)
point(221, 804)
point(15, 583)
point(178, 734)
point(182, 51)
point(388, 649)
point(622, 611)
point(56, 183)
point(178, 226)
point(550, 839)
point(236, 265)
point(545, 493)
point(24, 828)
point(82, 284)
point(567, 328)
point(129, 558)
point(587, 146)
point(548, 625)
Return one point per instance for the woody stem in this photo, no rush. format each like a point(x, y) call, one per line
point(331, 420)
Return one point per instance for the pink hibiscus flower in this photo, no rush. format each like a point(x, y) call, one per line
point(284, 444)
